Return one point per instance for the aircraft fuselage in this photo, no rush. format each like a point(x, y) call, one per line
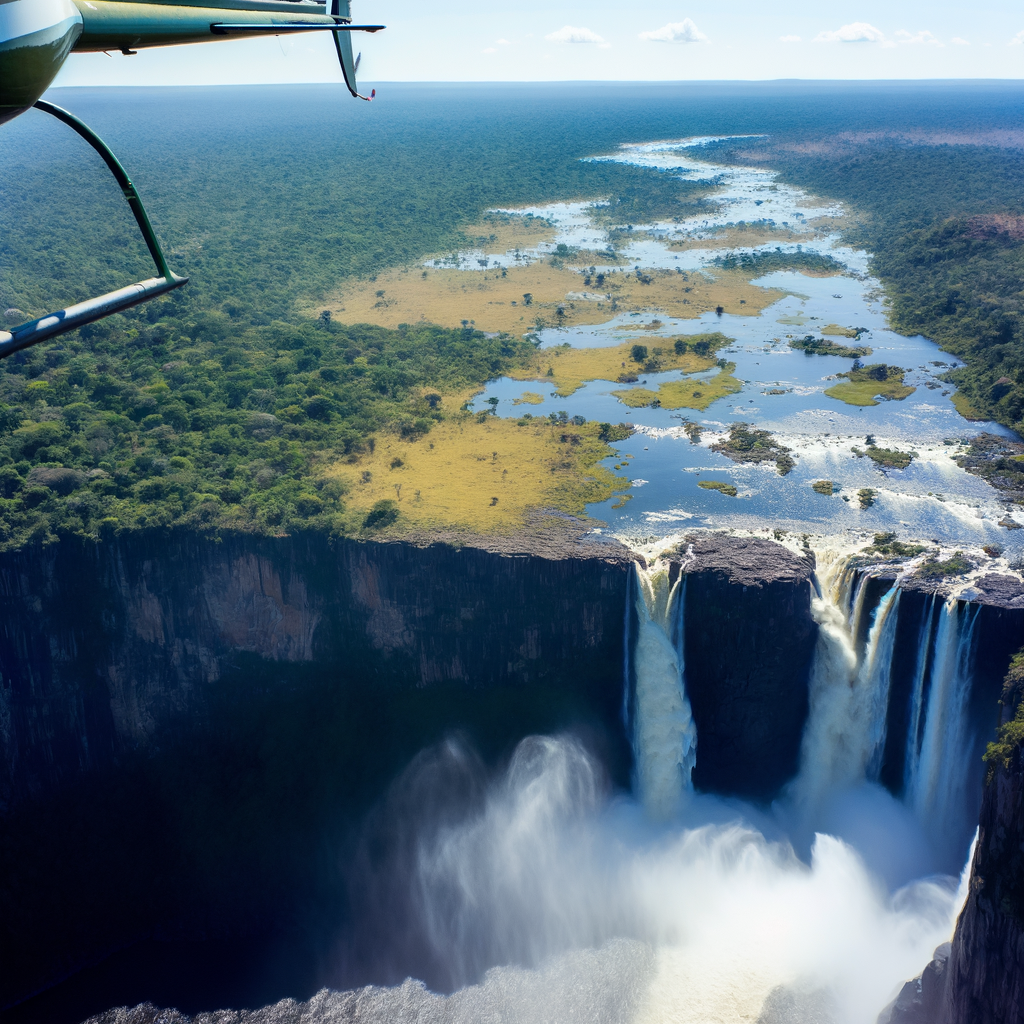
point(36, 36)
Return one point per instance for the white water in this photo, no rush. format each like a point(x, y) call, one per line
point(665, 737)
point(604, 916)
point(680, 908)
point(878, 671)
point(937, 789)
point(849, 696)
point(845, 736)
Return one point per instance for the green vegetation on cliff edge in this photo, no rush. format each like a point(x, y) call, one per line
point(1011, 732)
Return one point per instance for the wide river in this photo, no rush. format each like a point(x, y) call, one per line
point(783, 388)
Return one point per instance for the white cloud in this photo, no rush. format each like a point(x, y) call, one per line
point(924, 36)
point(1018, 39)
point(490, 49)
point(856, 32)
point(675, 32)
point(504, 42)
point(789, 39)
point(570, 34)
point(957, 41)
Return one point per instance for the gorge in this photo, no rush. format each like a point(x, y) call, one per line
point(591, 600)
point(744, 684)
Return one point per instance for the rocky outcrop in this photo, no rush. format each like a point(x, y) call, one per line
point(979, 978)
point(921, 1001)
point(749, 645)
point(986, 966)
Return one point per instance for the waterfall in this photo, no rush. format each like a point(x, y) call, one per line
point(822, 758)
point(626, 653)
point(664, 734)
point(849, 696)
point(939, 773)
point(845, 736)
point(877, 670)
point(913, 745)
point(857, 612)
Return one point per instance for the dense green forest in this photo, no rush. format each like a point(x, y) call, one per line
point(215, 407)
point(202, 424)
point(945, 224)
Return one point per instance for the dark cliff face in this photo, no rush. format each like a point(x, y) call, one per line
point(104, 648)
point(986, 966)
point(998, 603)
point(190, 731)
point(749, 645)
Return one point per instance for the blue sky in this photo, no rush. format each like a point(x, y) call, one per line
point(529, 40)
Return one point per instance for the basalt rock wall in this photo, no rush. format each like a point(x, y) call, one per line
point(191, 730)
point(749, 643)
point(107, 649)
point(985, 977)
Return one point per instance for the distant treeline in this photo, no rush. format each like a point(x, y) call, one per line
point(946, 226)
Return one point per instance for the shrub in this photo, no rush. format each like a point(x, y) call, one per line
point(382, 515)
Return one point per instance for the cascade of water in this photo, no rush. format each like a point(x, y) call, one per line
point(849, 697)
point(857, 610)
point(665, 737)
point(626, 679)
point(877, 673)
point(822, 755)
point(939, 776)
point(838, 579)
point(913, 747)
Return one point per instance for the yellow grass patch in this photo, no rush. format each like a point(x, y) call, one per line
point(499, 233)
point(839, 332)
point(864, 392)
point(485, 298)
point(528, 398)
point(683, 394)
point(484, 474)
point(568, 369)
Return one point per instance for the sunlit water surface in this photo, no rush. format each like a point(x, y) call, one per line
point(783, 389)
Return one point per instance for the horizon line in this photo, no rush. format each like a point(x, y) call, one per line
point(572, 81)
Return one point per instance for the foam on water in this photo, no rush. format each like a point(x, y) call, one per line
point(605, 916)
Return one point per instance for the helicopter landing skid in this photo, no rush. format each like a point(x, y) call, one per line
point(64, 320)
